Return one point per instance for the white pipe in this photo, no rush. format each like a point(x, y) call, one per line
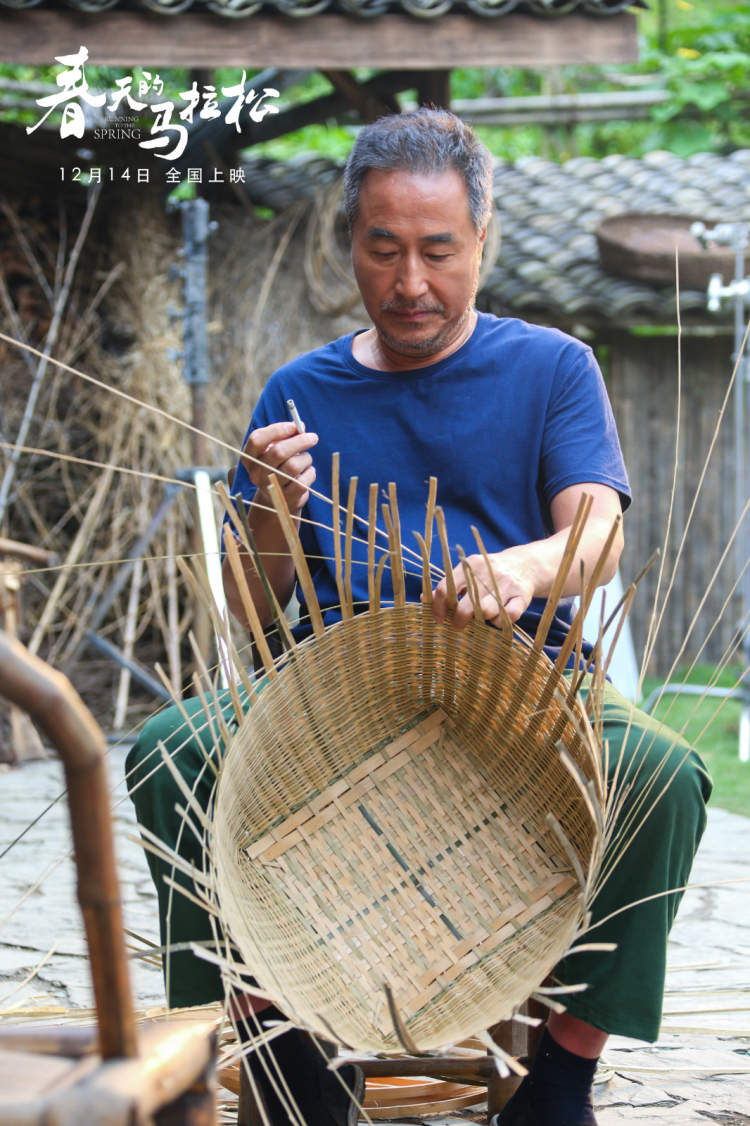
point(207, 519)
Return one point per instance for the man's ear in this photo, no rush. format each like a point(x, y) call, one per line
point(483, 235)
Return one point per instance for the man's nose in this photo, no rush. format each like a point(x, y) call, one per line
point(411, 281)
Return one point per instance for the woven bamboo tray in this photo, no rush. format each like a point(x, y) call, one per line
point(400, 850)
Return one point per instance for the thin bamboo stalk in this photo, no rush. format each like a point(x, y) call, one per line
point(297, 554)
point(74, 553)
point(128, 641)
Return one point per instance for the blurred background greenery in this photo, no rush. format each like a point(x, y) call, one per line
point(696, 51)
point(712, 726)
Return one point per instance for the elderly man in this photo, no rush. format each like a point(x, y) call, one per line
point(514, 422)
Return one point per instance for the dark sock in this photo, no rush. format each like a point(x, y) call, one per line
point(561, 1086)
point(318, 1093)
point(279, 1053)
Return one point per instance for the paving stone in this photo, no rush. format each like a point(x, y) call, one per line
point(49, 916)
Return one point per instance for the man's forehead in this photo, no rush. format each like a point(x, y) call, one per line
point(394, 191)
point(444, 180)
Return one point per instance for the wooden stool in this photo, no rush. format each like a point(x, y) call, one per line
point(114, 1075)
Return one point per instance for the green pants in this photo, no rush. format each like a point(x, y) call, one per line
point(625, 987)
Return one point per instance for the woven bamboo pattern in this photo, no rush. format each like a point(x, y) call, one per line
point(405, 826)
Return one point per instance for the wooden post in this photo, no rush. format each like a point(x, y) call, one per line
point(511, 1037)
point(364, 101)
point(434, 89)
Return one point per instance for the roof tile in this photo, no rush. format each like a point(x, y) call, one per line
point(425, 9)
point(548, 264)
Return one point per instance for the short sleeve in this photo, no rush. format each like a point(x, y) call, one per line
point(580, 441)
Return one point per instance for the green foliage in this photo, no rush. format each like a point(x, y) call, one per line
point(332, 141)
point(714, 88)
point(695, 50)
point(494, 82)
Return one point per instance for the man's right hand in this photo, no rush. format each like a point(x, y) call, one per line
point(280, 450)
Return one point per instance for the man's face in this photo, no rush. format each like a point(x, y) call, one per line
point(416, 259)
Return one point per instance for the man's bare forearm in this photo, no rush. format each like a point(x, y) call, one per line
point(545, 557)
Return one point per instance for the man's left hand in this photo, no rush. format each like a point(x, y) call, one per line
point(513, 574)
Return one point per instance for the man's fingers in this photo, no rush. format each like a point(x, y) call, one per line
point(513, 602)
point(281, 450)
point(514, 608)
point(275, 444)
point(258, 440)
point(298, 491)
point(487, 604)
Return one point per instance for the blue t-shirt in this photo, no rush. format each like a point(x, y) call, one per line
point(516, 414)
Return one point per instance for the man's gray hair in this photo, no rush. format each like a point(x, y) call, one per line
point(425, 141)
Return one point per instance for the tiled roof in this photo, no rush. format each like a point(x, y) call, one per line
point(548, 264)
point(423, 8)
point(549, 260)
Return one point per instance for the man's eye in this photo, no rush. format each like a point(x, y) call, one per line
point(384, 253)
point(438, 257)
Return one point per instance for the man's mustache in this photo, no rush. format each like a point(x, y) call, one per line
point(399, 307)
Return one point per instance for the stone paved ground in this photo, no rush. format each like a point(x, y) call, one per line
point(699, 1072)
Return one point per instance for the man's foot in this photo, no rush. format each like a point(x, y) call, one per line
point(291, 1078)
point(517, 1111)
point(556, 1092)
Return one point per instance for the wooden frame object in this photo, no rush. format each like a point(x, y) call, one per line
point(164, 1072)
point(330, 40)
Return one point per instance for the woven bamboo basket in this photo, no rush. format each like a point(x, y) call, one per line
point(405, 827)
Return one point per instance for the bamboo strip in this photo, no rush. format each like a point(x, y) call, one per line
point(473, 587)
point(172, 639)
point(347, 608)
point(452, 600)
point(336, 528)
point(128, 640)
point(397, 559)
point(371, 527)
point(587, 595)
point(506, 625)
point(248, 606)
point(298, 556)
point(571, 546)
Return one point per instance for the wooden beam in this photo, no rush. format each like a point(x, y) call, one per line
point(128, 38)
point(562, 109)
